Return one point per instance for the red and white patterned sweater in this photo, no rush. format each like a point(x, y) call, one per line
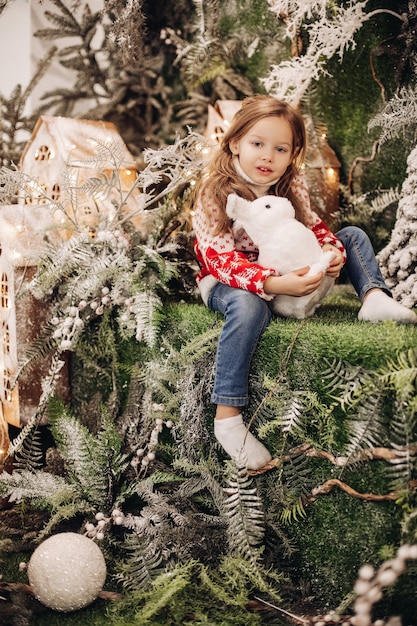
point(231, 257)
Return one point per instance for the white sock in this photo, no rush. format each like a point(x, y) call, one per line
point(378, 306)
point(233, 436)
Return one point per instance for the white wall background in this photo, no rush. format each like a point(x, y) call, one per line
point(21, 51)
point(15, 38)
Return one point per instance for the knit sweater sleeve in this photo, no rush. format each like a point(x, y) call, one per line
point(314, 222)
point(230, 257)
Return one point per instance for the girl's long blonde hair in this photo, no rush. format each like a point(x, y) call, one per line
point(222, 178)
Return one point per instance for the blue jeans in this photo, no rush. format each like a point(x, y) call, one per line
point(361, 265)
point(247, 316)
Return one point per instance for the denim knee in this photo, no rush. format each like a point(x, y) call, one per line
point(246, 318)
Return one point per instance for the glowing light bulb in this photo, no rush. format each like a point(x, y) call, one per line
point(331, 175)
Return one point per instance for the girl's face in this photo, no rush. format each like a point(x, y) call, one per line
point(265, 151)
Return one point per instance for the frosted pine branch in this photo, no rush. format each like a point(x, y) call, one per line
point(331, 31)
point(334, 35)
point(397, 115)
point(290, 79)
point(295, 12)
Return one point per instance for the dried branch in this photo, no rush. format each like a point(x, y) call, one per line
point(386, 454)
point(375, 148)
point(329, 485)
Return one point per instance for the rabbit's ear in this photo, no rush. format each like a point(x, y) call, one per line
point(232, 204)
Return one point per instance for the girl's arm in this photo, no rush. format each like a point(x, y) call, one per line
point(296, 283)
point(219, 257)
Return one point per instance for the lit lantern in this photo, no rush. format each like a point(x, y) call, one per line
point(322, 172)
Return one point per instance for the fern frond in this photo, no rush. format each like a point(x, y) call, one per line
point(107, 155)
point(60, 260)
point(344, 381)
point(29, 456)
point(293, 513)
point(40, 349)
point(296, 473)
point(384, 199)
point(367, 428)
point(48, 388)
point(141, 565)
point(402, 432)
point(362, 394)
point(291, 420)
point(100, 184)
point(243, 509)
point(93, 461)
point(402, 374)
point(145, 307)
point(282, 410)
point(40, 488)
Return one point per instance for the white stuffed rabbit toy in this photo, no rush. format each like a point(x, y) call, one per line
point(284, 244)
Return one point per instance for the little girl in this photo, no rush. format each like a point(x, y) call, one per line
point(262, 153)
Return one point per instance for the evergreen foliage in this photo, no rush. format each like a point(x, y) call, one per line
point(244, 511)
point(142, 472)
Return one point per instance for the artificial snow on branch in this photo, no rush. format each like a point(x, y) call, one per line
point(399, 115)
point(331, 30)
point(398, 260)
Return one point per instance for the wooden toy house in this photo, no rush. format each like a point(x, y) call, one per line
point(24, 232)
point(64, 159)
point(9, 399)
point(65, 155)
point(218, 119)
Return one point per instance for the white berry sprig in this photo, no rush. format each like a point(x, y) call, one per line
point(145, 456)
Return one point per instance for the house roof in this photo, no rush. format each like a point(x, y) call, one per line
point(75, 138)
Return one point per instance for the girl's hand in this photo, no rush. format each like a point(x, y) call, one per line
point(336, 263)
point(295, 283)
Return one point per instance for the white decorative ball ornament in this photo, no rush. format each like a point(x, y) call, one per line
point(67, 572)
